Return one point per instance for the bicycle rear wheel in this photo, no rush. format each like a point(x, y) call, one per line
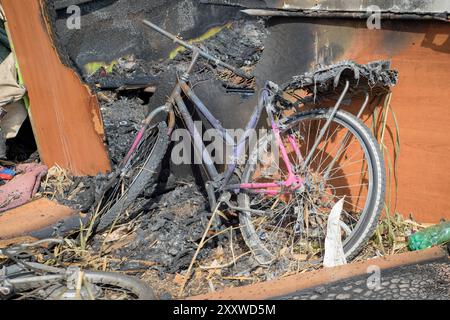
point(94, 285)
point(347, 162)
point(119, 198)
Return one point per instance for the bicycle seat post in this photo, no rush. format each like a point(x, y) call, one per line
point(187, 73)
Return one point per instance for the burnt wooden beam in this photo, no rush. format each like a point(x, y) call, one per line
point(64, 113)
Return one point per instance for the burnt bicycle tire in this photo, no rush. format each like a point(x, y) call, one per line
point(145, 179)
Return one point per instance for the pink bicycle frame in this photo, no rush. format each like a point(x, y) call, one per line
point(292, 182)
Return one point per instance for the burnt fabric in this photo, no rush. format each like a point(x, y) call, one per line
point(10, 90)
point(11, 94)
point(5, 47)
point(23, 187)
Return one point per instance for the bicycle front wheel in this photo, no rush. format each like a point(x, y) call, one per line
point(119, 199)
point(344, 162)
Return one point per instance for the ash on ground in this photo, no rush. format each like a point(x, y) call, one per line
point(159, 246)
point(122, 120)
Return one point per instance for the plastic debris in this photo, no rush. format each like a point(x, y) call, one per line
point(426, 238)
point(6, 174)
point(334, 251)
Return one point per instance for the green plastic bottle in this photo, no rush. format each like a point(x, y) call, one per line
point(426, 238)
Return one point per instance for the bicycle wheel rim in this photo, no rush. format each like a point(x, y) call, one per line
point(53, 286)
point(250, 231)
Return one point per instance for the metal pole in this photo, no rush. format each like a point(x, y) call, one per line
point(194, 48)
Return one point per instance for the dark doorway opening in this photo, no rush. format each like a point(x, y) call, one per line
point(23, 147)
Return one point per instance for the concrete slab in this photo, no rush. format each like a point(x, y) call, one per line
point(291, 284)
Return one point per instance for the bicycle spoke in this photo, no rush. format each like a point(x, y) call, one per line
point(337, 154)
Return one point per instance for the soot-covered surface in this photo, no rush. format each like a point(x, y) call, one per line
point(122, 114)
point(111, 29)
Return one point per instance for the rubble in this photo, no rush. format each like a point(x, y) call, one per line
point(160, 245)
point(122, 119)
point(167, 234)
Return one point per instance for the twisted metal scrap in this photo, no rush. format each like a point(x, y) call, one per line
point(326, 80)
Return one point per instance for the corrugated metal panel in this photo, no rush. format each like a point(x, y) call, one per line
point(401, 6)
point(434, 6)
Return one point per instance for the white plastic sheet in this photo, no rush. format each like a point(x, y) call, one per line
point(334, 251)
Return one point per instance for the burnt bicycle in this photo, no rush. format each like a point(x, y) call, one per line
point(292, 176)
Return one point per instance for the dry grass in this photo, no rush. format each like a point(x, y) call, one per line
point(216, 270)
point(57, 182)
point(391, 235)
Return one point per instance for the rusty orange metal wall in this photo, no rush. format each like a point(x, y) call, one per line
point(421, 101)
point(420, 51)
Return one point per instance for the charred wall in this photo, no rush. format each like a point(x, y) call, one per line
point(112, 28)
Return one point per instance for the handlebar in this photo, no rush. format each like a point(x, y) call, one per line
point(196, 49)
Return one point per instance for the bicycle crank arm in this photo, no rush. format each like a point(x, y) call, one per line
point(226, 197)
point(258, 212)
